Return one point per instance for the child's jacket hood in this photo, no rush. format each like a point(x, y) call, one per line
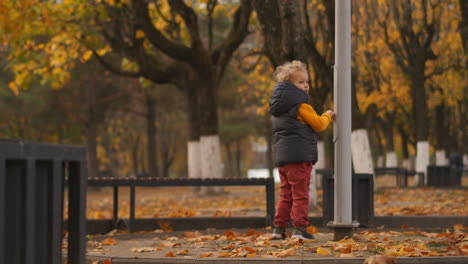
point(284, 97)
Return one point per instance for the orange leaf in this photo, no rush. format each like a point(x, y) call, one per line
point(192, 234)
point(286, 252)
point(109, 241)
point(229, 234)
point(207, 254)
point(312, 229)
point(251, 232)
point(107, 261)
point(323, 251)
point(228, 247)
point(345, 250)
point(250, 250)
point(165, 226)
point(182, 252)
point(251, 255)
point(170, 254)
point(223, 255)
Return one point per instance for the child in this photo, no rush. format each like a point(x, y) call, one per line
point(295, 124)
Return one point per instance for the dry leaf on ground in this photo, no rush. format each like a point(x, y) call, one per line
point(109, 241)
point(143, 249)
point(285, 253)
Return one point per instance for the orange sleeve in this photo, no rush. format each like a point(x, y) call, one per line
point(307, 115)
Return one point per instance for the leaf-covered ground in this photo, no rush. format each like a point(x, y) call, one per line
point(250, 201)
point(256, 243)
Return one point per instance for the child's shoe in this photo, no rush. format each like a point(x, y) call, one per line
point(278, 233)
point(301, 233)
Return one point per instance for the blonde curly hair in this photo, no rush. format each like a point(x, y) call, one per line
point(283, 73)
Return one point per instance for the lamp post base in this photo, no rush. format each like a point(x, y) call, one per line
point(341, 231)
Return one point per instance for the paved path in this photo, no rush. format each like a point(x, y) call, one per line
point(401, 260)
point(121, 252)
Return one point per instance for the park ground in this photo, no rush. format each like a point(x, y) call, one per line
point(252, 243)
point(250, 201)
point(255, 243)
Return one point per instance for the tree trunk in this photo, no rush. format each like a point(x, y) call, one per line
point(464, 103)
point(193, 145)
point(441, 128)
point(209, 139)
point(419, 98)
point(151, 136)
point(238, 156)
point(229, 169)
point(135, 156)
point(404, 142)
point(91, 150)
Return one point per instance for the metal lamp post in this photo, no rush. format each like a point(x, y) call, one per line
point(342, 224)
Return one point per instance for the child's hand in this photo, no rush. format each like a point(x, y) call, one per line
point(331, 113)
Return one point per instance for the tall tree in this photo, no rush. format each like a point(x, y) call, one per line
point(412, 49)
point(464, 35)
point(161, 48)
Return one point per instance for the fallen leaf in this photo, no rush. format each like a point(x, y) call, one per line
point(169, 244)
point(143, 249)
point(109, 241)
point(230, 235)
point(251, 255)
point(192, 234)
point(323, 251)
point(182, 252)
point(250, 250)
point(223, 255)
point(207, 254)
point(170, 254)
point(165, 226)
point(228, 247)
point(263, 243)
point(286, 252)
point(107, 261)
point(312, 229)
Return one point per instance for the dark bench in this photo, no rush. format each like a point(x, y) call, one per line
point(400, 173)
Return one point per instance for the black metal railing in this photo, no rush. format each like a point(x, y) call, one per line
point(159, 182)
point(400, 173)
point(31, 202)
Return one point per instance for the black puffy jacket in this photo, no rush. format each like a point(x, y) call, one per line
point(292, 141)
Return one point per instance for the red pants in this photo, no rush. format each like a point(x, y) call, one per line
point(294, 195)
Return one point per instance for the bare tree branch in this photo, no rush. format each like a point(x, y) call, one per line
point(237, 34)
point(175, 50)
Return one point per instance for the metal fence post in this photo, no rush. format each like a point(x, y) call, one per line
point(2, 208)
point(132, 209)
point(270, 197)
point(115, 216)
point(77, 212)
point(30, 211)
point(57, 209)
